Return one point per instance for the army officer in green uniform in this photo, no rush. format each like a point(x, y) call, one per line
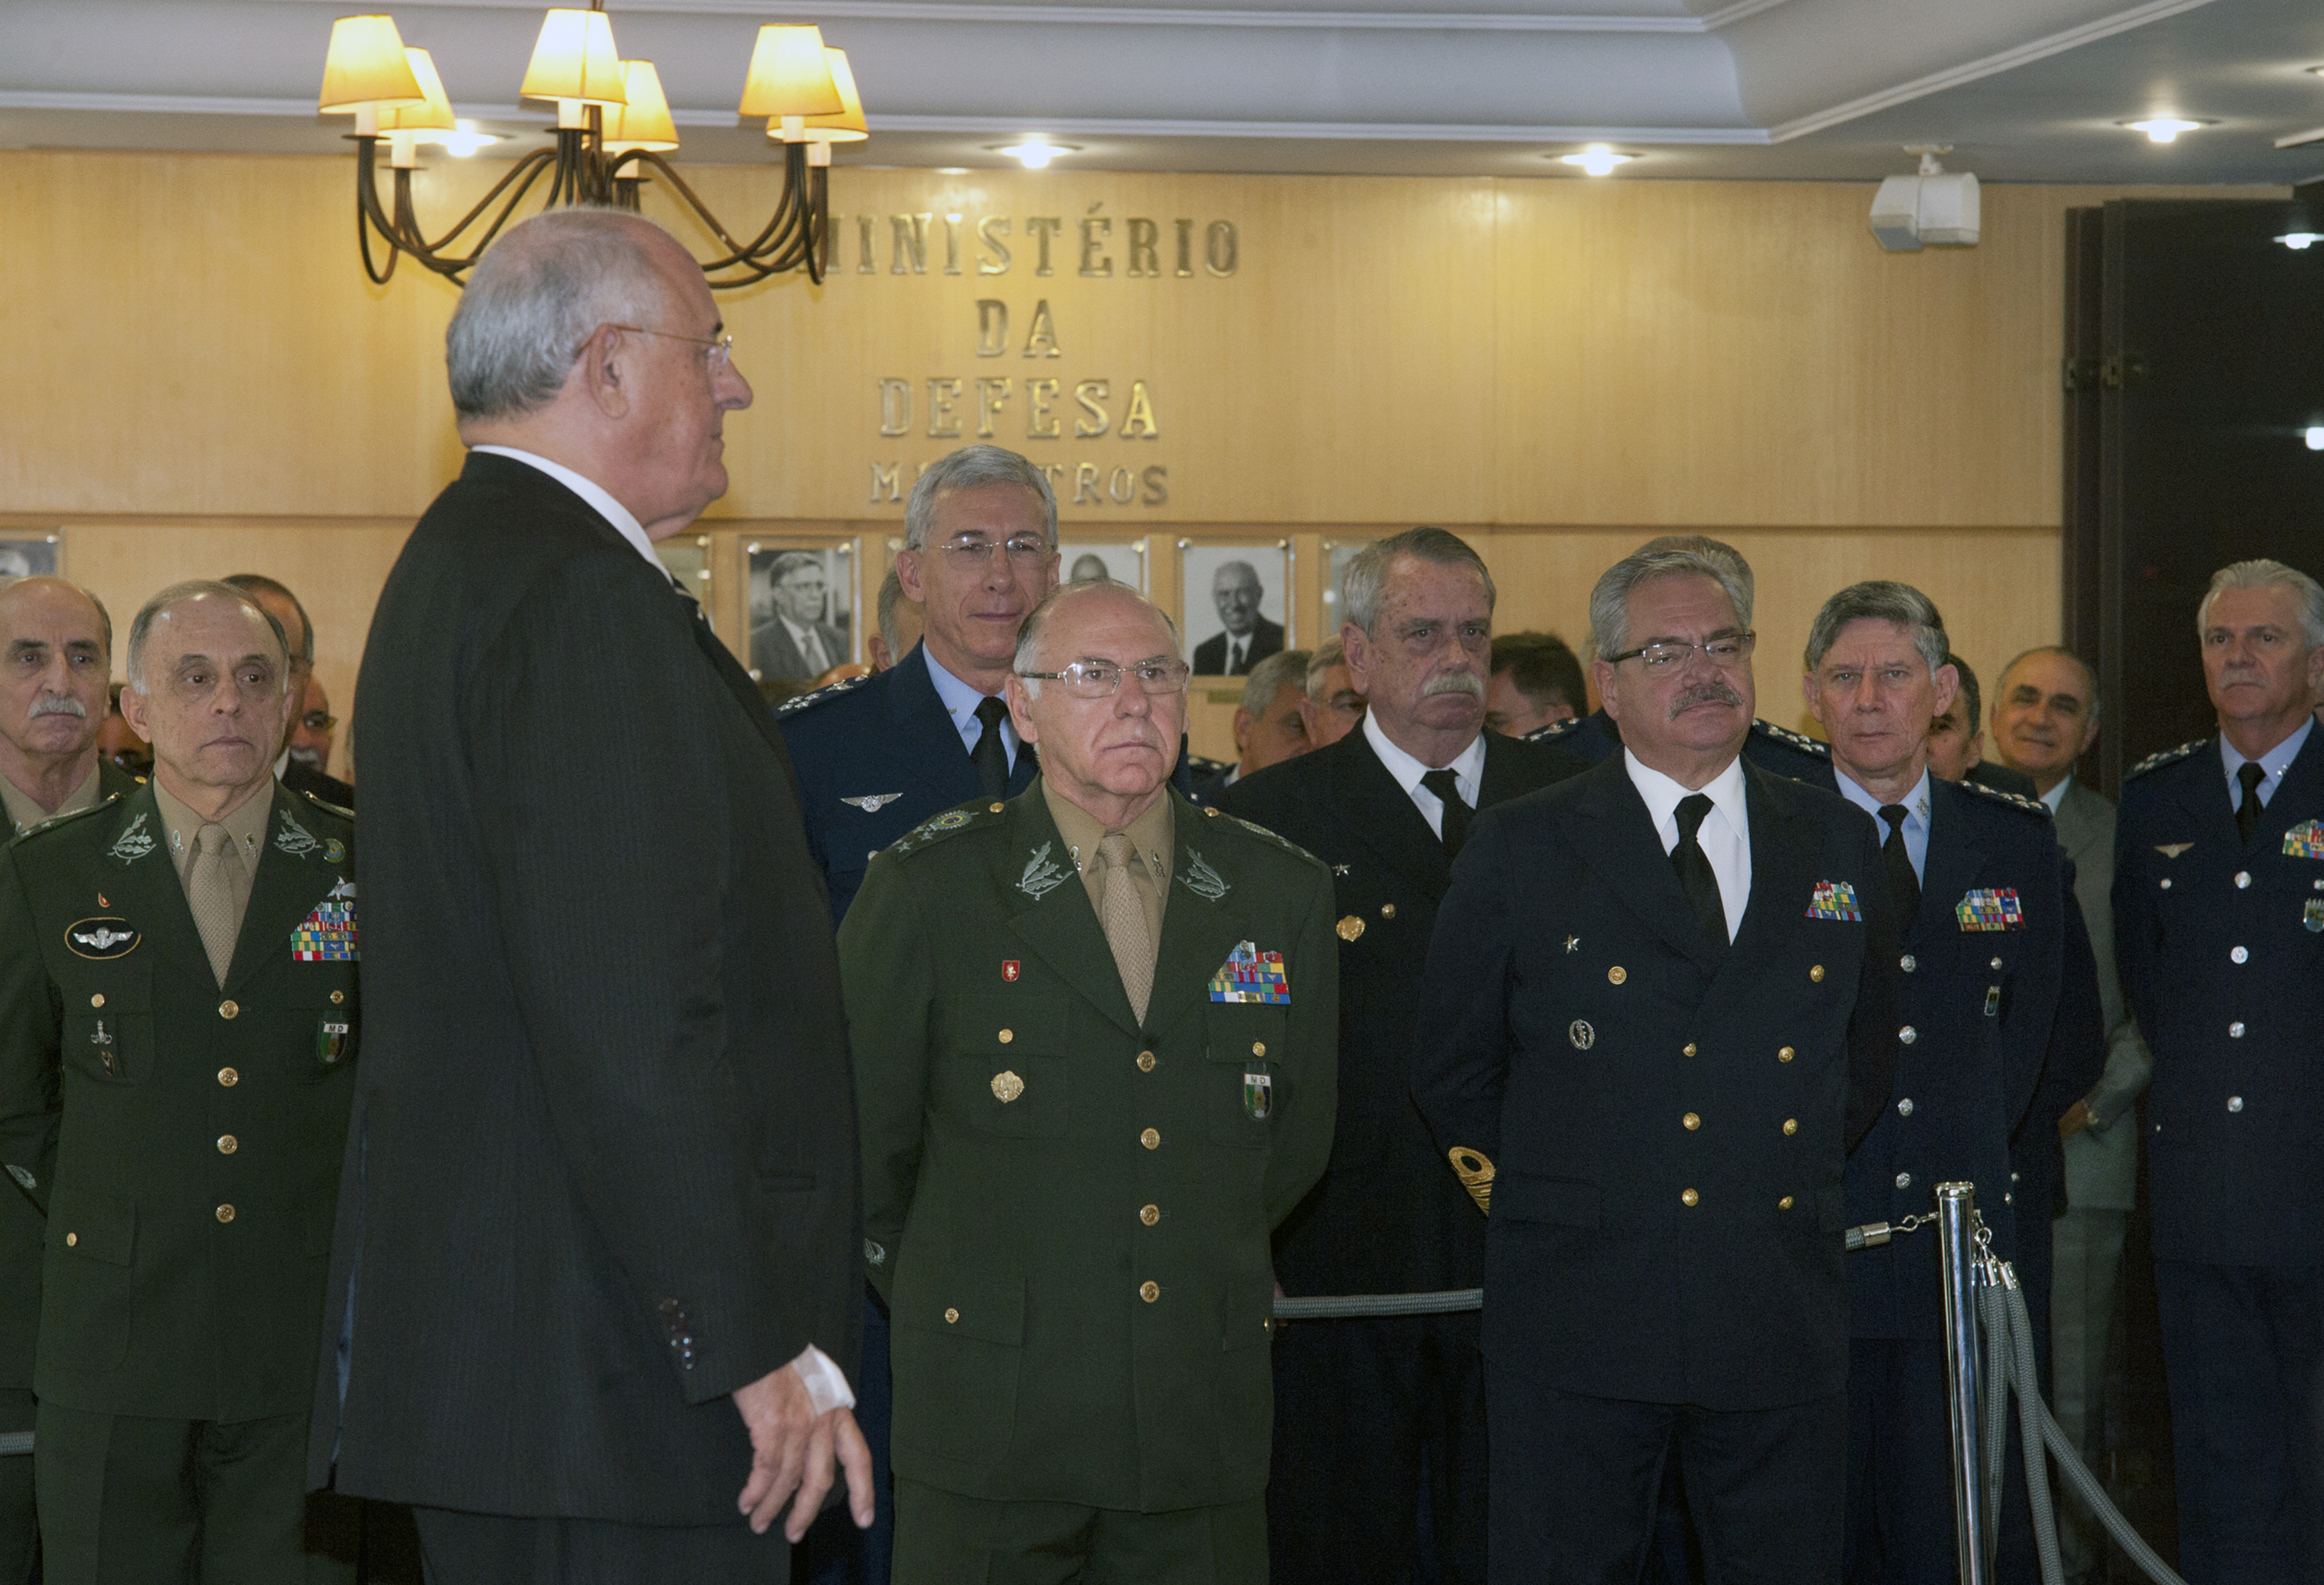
point(1094, 1030)
point(177, 1031)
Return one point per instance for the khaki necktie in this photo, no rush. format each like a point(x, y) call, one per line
point(1125, 923)
point(209, 890)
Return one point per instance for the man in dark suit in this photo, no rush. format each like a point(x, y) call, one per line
point(1999, 1005)
point(1249, 638)
point(276, 599)
point(2218, 905)
point(1362, 1406)
point(1268, 727)
point(790, 637)
point(596, 1263)
point(1957, 739)
point(1661, 1003)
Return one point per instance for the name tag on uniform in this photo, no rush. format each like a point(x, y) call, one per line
point(1249, 974)
point(1835, 899)
point(1990, 908)
point(2305, 841)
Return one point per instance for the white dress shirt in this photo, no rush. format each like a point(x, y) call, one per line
point(2057, 795)
point(2275, 762)
point(960, 701)
point(1916, 816)
point(1725, 835)
point(826, 1382)
point(1468, 767)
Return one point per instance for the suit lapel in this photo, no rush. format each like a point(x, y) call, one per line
point(285, 888)
point(1954, 862)
point(1209, 913)
point(1055, 918)
point(1383, 817)
point(1781, 882)
point(145, 890)
point(1616, 837)
point(919, 717)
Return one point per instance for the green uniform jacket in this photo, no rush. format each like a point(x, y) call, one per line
point(21, 1224)
point(183, 1139)
point(1069, 1213)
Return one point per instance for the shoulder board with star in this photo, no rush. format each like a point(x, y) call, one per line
point(57, 822)
point(951, 823)
point(1284, 843)
point(1556, 728)
point(822, 696)
point(1201, 766)
point(2035, 806)
point(1793, 739)
point(2167, 756)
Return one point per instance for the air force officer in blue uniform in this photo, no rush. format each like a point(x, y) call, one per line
point(1660, 1002)
point(1999, 1007)
point(2218, 902)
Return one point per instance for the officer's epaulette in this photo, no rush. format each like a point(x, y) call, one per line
point(325, 805)
point(1791, 740)
point(951, 823)
point(2167, 756)
point(1556, 728)
point(822, 696)
point(1281, 841)
point(2017, 800)
point(1200, 766)
point(55, 821)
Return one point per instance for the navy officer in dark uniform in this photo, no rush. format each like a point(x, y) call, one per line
point(2218, 904)
point(1661, 1004)
point(878, 755)
point(1999, 987)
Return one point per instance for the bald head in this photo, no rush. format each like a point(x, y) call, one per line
point(56, 645)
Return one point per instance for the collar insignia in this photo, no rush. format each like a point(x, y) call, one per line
point(1042, 875)
point(133, 844)
point(294, 838)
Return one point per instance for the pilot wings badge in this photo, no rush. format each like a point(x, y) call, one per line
point(872, 803)
point(101, 938)
point(1043, 874)
point(133, 844)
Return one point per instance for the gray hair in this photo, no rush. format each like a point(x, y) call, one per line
point(2089, 674)
point(891, 596)
point(1880, 600)
point(194, 589)
point(1321, 659)
point(1029, 637)
point(1682, 555)
point(791, 561)
point(1359, 587)
point(2263, 574)
point(966, 469)
point(535, 298)
point(1283, 669)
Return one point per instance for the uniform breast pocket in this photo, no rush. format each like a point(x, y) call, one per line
point(1246, 1055)
point(108, 1025)
point(1005, 1068)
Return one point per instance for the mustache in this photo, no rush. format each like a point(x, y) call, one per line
point(1454, 682)
point(1712, 692)
point(58, 705)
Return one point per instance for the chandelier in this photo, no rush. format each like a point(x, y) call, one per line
point(613, 126)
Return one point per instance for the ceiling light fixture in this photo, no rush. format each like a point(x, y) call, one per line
point(2165, 129)
point(2315, 438)
point(1913, 212)
point(1035, 154)
point(1596, 160)
point(2300, 242)
point(613, 125)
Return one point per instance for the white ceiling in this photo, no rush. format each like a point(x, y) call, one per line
point(2026, 90)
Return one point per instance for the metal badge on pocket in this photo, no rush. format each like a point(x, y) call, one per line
point(1257, 1094)
point(331, 1044)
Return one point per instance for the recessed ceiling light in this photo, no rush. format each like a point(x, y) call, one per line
point(952, 170)
point(2300, 242)
point(2164, 129)
point(1596, 160)
point(2315, 438)
point(1034, 154)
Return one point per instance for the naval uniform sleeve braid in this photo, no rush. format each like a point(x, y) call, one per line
point(31, 1039)
point(1303, 1140)
point(601, 803)
point(1462, 1039)
point(887, 976)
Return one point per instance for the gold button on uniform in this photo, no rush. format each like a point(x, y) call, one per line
point(1617, 975)
point(1259, 1048)
point(1007, 1036)
point(1790, 1125)
point(338, 996)
point(1149, 1214)
point(1387, 910)
point(72, 1240)
point(1786, 1054)
point(1692, 1121)
point(1815, 972)
point(1149, 1290)
point(1689, 1197)
point(227, 1009)
point(228, 1144)
point(994, 808)
point(228, 1077)
point(1150, 1139)
point(1145, 1061)
point(225, 1214)
point(97, 1000)
point(1785, 1204)
point(1689, 1050)
point(951, 1316)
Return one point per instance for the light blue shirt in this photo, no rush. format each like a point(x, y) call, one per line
point(2274, 762)
point(962, 701)
point(1916, 816)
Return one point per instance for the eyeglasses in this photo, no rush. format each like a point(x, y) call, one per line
point(1725, 650)
point(1101, 679)
point(318, 721)
point(720, 353)
point(1026, 550)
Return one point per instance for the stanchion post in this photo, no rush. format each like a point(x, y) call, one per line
point(1956, 1248)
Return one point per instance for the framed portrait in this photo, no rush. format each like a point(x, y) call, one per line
point(1122, 561)
point(688, 557)
point(31, 555)
point(802, 607)
point(1234, 604)
point(1337, 554)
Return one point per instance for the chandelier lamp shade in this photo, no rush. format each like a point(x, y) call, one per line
point(614, 127)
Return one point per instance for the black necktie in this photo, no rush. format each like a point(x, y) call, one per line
point(1453, 825)
point(991, 755)
point(2247, 812)
point(1901, 881)
point(1695, 876)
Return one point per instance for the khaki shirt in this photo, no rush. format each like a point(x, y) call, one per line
point(1151, 836)
point(245, 823)
point(24, 812)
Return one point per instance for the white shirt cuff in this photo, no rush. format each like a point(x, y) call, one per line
point(825, 1383)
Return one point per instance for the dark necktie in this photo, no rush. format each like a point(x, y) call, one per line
point(991, 755)
point(1453, 825)
point(1695, 876)
point(1901, 882)
point(2250, 775)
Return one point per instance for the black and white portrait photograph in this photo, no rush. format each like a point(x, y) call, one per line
point(1124, 562)
point(1337, 554)
point(1234, 604)
point(802, 609)
point(24, 558)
